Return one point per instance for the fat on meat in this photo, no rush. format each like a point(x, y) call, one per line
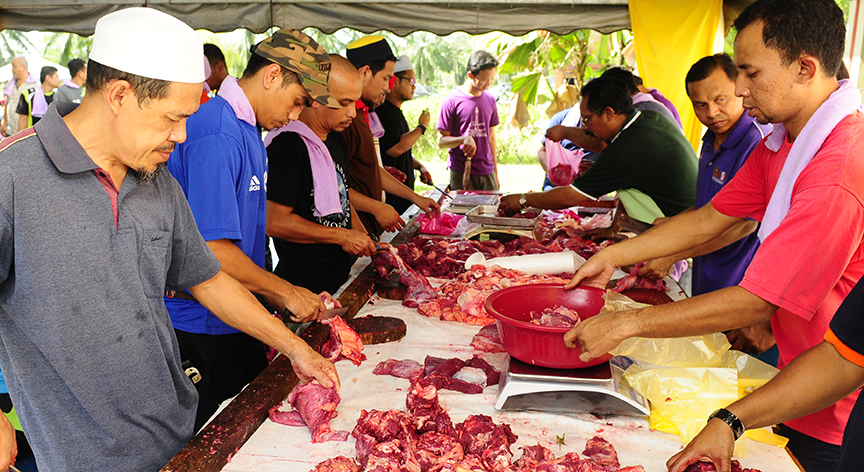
point(344, 343)
point(484, 440)
point(558, 317)
point(316, 406)
point(632, 280)
point(385, 457)
point(422, 404)
point(433, 450)
point(419, 289)
point(488, 339)
point(533, 455)
point(443, 374)
point(404, 369)
point(602, 452)
point(338, 464)
point(569, 462)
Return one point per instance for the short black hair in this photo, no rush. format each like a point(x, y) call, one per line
point(145, 88)
point(609, 92)
point(256, 63)
point(624, 75)
point(707, 65)
point(75, 65)
point(796, 27)
point(480, 61)
point(214, 54)
point(45, 72)
point(378, 66)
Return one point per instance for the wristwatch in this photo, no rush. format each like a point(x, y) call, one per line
point(523, 201)
point(729, 418)
point(422, 128)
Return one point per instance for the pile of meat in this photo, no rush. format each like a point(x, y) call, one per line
point(446, 258)
point(419, 289)
point(314, 406)
point(470, 376)
point(709, 467)
point(424, 439)
point(528, 214)
point(463, 298)
point(344, 343)
point(557, 317)
point(488, 339)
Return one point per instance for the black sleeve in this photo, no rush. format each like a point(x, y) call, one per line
point(848, 322)
point(23, 107)
point(338, 151)
point(286, 156)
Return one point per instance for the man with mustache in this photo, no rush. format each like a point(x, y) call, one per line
point(222, 168)
point(647, 159)
point(811, 166)
point(316, 232)
point(89, 351)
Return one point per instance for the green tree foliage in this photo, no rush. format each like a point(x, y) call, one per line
point(14, 43)
point(63, 47)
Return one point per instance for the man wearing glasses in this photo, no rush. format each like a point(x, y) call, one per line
point(647, 159)
point(398, 138)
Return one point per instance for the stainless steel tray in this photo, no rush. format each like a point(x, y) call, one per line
point(488, 215)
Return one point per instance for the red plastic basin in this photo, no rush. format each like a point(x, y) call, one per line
point(542, 345)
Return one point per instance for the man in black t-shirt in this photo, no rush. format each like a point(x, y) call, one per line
point(398, 139)
point(317, 239)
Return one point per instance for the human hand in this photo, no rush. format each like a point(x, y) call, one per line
point(598, 335)
point(754, 339)
point(424, 118)
point(510, 204)
point(388, 217)
point(714, 444)
point(304, 305)
point(357, 243)
point(656, 269)
point(429, 206)
point(599, 234)
point(557, 133)
point(596, 272)
point(396, 173)
point(8, 444)
point(329, 301)
point(309, 365)
point(425, 176)
point(469, 147)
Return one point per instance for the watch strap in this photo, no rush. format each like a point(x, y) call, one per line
point(422, 128)
point(730, 419)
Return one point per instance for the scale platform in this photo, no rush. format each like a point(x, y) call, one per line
point(599, 390)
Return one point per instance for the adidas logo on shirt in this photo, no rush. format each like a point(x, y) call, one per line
point(255, 184)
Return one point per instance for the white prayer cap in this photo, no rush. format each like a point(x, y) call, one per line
point(403, 63)
point(149, 43)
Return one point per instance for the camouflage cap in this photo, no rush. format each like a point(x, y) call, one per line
point(299, 53)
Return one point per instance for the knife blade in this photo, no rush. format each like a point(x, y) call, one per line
point(333, 312)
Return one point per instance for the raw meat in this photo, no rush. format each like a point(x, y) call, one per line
point(445, 374)
point(709, 467)
point(344, 343)
point(463, 298)
point(338, 464)
point(288, 418)
point(422, 403)
point(404, 369)
point(433, 450)
point(316, 406)
point(533, 455)
point(558, 317)
point(488, 339)
point(419, 289)
point(487, 441)
point(471, 375)
point(634, 281)
point(528, 214)
point(602, 452)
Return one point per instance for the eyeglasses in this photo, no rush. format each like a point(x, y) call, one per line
point(410, 80)
point(585, 118)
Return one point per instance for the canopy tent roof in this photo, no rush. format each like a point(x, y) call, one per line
point(402, 17)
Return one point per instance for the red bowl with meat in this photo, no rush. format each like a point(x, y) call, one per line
point(542, 345)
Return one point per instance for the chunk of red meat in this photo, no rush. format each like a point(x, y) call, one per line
point(385, 457)
point(709, 467)
point(378, 426)
point(488, 339)
point(559, 317)
point(288, 418)
point(316, 406)
point(483, 439)
point(404, 369)
point(492, 374)
point(633, 280)
point(533, 455)
point(338, 464)
point(344, 343)
point(569, 462)
point(422, 403)
point(601, 451)
point(434, 449)
point(419, 289)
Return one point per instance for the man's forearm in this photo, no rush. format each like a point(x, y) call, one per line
point(814, 380)
point(578, 137)
point(556, 198)
point(295, 228)
point(407, 141)
point(364, 203)
point(735, 233)
point(451, 141)
point(240, 267)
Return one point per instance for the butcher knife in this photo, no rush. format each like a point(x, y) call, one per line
point(326, 315)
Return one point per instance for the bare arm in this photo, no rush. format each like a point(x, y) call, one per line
point(554, 199)
point(575, 135)
point(394, 187)
point(541, 158)
point(283, 223)
point(385, 214)
point(22, 122)
point(812, 381)
point(493, 147)
point(410, 138)
point(8, 444)
point(280, 294)
point(238, 308)
point(465, 142)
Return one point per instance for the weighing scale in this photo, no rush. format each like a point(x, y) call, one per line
point(599, 390)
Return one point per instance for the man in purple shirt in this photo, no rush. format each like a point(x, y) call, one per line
point(467, 126)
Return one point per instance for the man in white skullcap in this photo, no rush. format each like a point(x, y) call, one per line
point(92, 234)
point(398, 138)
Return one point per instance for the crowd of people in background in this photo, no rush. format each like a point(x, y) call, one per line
point(172, 268)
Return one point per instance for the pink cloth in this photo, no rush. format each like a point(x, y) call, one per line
point(236, 97)
point(40, 105)
point(11, 87)
point(325, 182)
point(444, 224)
point(811, 262)
point(375, 125)
point(207, 73)
point(842, 103)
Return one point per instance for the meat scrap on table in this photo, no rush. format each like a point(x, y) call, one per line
point(556, 317)
point(424, 439)
point(314, 407)
point(488, 339)
point(343, 343)
point(470, 376)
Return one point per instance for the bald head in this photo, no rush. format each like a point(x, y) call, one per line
point(19, 68)
point(346, 86)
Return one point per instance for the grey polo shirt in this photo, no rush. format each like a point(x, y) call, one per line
point(86, 344)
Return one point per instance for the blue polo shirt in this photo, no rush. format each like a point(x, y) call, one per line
point(222, 168)
point(725, 267)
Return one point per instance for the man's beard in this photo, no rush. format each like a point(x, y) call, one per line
point(145, 177)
